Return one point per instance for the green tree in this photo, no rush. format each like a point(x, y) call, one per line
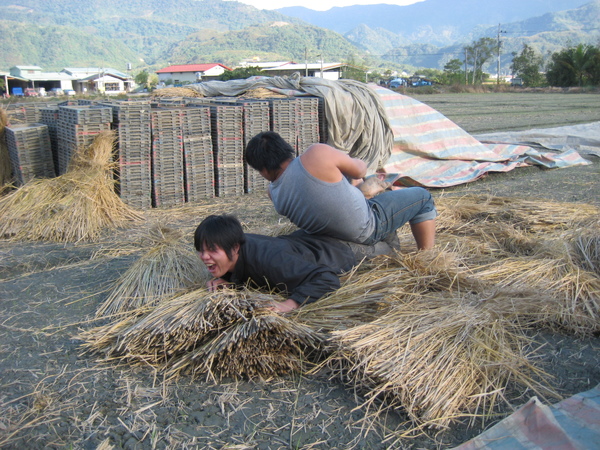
point(142, 78)
point(453, 72)
point(528, 66)
point(574, 66)
point(478, 53)
point(355, 70)
point(148, 80)
point(241, 73)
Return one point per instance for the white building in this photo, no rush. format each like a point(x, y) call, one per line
point(329, 71)
point(104, 80)
point(34, 77)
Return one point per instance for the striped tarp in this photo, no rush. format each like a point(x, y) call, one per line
point(572, 424)
point(431, 150)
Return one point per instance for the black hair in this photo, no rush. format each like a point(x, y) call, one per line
point(223, 231)
point(268, 150)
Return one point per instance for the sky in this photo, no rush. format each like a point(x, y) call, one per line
point(321, 5)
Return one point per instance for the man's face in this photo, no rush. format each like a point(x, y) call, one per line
point(217, 262)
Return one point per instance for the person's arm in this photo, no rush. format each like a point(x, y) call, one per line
point(329, 164)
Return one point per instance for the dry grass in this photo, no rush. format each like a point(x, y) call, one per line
point(176, 92)
point(437, 357)
point(222, 334)
point(167, 267)
point(76, 206)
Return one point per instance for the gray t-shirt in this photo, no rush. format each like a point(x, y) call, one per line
point(338, 210)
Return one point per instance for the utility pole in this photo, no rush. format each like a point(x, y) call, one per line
point(499, 45)
point(466, 73)
point(305, 62)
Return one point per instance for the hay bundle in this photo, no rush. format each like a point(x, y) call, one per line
point(5, 166)
point(572, 293)
point(469, 212)
point(262, 92)
point(167, 267)
point(224, 333)
point(365, 294)
point(436, 357)
point(262, 346)
point(72, 207)
point(176, 92)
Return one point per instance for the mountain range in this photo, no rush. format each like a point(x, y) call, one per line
point(149, 34)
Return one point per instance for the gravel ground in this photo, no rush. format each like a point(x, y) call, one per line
point(52, 395)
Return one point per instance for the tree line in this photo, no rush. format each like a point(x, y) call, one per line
point(577, 65)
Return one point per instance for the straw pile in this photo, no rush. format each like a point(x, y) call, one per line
point(5, 167)
point(523, 245)
point(262, 92)
point(167, 267)
point(176, 92)
point(72, 207)
point(223, 334)
point(439, 358)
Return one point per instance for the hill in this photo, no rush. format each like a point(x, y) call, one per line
point(148, 34)
point(438, 22)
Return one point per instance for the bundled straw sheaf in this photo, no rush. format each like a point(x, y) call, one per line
point(75, 206)
point(167, 267)
point(437, 358)
point(223, 333)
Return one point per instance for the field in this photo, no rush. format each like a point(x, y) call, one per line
point(53, 395)
point(508, 111)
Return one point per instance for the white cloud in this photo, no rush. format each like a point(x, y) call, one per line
point(321, 5)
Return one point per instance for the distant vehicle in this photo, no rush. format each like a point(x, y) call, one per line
point(17, 92)
point(31, 92)
point(397, 82)
point(55, 92)
point(516, 81)
point(70, 92)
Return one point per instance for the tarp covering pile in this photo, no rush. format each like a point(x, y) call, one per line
point(395, 133)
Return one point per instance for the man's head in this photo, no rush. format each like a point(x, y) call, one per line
point(267, 151)
point(218, 239)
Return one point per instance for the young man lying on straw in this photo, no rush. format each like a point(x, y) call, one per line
point(314, 192)
point(304, 266)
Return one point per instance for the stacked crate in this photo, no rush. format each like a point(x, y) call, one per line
point(323, 124)
point(284, 119)
point(29, 152)
point(167, 157)
point(198, 153)
point(308, 122)
point(78, 126)
point(50, 118)
point(228, 148)
point(131, 119)
point(256, 119)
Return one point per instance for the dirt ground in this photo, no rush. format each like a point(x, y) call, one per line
point(53, 395)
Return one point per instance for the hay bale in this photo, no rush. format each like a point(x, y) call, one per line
point(167, 267)
point(438, 358)
point(176, 92)
point(73, 207)
point(222, 333)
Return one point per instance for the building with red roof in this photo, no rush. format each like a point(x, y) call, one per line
point(190, 73)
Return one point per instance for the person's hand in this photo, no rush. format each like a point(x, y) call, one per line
point(285, 306)
point(217, 283)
